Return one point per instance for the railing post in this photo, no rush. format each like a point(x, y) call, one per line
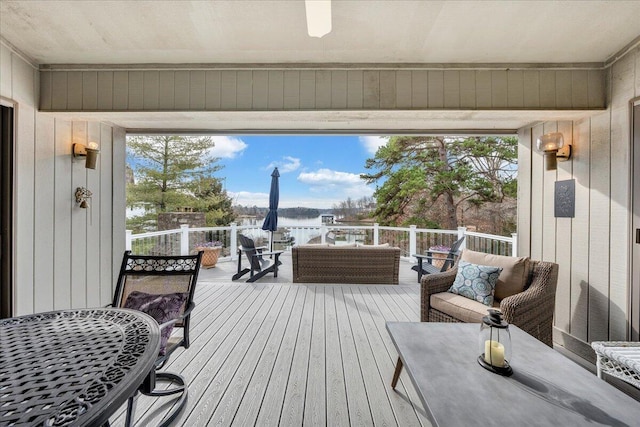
point(184, 239)
point(323, 234)
point(234, 241)
point(514, 244)
point(128, 239)
point(412, 240)
point(461, 233)
point(376, 233)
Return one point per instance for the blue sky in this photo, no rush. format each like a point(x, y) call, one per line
point(315, 171)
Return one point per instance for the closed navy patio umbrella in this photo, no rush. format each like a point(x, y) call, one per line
point(271, 220)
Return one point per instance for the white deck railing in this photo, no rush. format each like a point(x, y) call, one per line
point(410, 240)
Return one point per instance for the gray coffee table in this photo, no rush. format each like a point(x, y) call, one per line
point(546, 389)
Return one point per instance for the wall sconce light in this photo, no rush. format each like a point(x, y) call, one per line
point(89, 151)
point(552, 145)
point(318, 17)
point(82, 195)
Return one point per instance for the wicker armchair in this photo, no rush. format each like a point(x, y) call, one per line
point(530, 310)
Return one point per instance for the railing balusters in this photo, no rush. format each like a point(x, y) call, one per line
point(409, 239)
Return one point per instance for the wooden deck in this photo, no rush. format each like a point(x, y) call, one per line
point(271, 354)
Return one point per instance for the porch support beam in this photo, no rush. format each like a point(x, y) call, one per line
point(262, 88)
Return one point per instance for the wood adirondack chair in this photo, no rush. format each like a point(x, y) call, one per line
point(259, 266)
point(428, 267)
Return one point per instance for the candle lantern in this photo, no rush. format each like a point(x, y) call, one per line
point(495, 344)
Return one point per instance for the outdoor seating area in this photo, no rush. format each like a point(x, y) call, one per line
point(488, 149)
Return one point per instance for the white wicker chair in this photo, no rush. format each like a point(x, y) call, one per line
point(620, 359)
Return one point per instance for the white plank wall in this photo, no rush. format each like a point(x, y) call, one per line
point(592, 248)
point(562, 243)
point(63, 254)
point(320, 89)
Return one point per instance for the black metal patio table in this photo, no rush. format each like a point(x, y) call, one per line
point(73, 367)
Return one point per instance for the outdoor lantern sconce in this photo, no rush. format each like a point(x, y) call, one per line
point(82, 195)
point(318, 17)
point(89, 151)
point(552, 145)
point(495, 344)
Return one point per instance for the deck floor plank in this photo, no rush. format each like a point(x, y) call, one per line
point(381, 410)
point(249, 407)
point(315, 406)
point(283, 354)
point(381, 314)
point(369, 312)
point(240, 345)
point(202, 372)
point(294, 399)
point(230, 400)
point(271, 407)
point(337, 406)
point(357, 398)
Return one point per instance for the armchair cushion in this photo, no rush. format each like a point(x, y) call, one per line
point(514, 275)
point(476, 282)
point(162, 308)
point(459, 307)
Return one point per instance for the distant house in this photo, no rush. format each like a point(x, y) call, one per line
point(327, 218)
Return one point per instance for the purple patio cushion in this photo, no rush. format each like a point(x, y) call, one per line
point(161, 307)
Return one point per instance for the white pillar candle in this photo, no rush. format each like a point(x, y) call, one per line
point(494, 353)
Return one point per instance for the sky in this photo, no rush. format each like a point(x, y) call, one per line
point(315, 171)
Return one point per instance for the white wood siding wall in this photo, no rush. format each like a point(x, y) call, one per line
point(320, 89)
point(593, 247)
point(64, 256)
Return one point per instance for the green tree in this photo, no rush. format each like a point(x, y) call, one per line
point(214, 200)
point(173, 173)
point(440, 174)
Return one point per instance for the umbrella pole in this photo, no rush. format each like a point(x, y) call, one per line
point(271, 243)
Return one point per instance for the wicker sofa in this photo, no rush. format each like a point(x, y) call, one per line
point(531, 309)
point(340, 264)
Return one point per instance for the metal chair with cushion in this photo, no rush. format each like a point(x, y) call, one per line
point(163, 287)
point(259, 266)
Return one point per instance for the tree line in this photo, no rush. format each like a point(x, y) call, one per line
point(444, 182)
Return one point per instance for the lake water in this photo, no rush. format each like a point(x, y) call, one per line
point(304, 235)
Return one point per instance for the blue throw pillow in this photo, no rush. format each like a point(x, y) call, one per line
point(476, 282)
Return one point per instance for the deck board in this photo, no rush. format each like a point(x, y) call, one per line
point(277, 353)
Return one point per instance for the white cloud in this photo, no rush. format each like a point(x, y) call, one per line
point(341, 184)
point(247, 198)
point(372, 143)
point(288, 164)
point(227, 147)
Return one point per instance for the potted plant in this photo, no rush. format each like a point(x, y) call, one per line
point(211, 253)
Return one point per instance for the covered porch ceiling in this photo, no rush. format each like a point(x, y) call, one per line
point(503, 35)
